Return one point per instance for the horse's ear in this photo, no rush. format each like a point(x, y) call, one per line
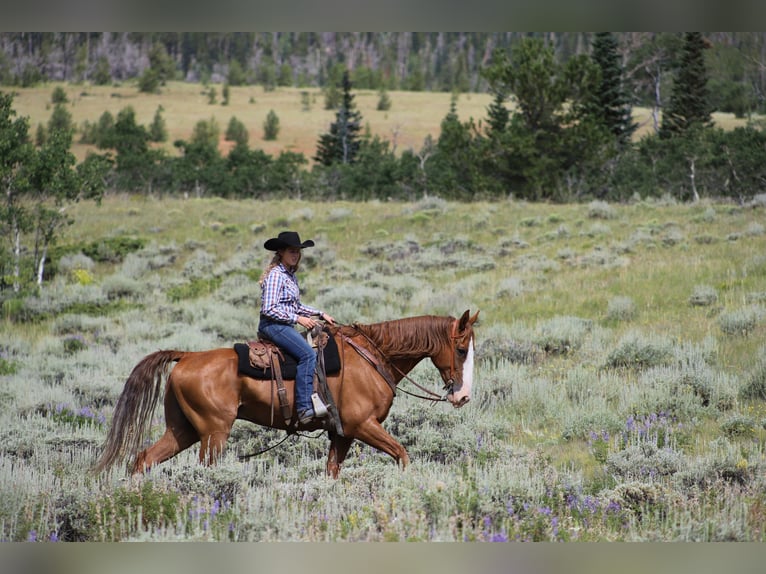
point(467, 320)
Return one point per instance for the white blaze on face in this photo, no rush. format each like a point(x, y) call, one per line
point(462, 394)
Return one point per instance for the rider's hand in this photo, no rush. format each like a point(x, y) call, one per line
point(327, 318)
point(306, 322)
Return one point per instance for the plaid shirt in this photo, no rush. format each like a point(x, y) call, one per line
point(281, 297)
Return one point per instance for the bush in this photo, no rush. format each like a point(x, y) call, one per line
point(741, 321)
point(645, 461)
point(113, 249)
point(563, 334)
point(621, 309)
point(755, 387)
point(739, 426)
point(638, 351)
point(703, 296)
point(601, 210)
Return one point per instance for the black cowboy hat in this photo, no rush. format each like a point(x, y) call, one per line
point(287, 239)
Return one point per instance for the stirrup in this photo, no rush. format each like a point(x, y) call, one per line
point(320, 409)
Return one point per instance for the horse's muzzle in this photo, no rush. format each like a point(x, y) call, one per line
point(457, 403)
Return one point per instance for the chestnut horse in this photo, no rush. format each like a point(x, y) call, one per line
point(205, 393)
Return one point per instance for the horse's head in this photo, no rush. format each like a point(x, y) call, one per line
point(456, 363)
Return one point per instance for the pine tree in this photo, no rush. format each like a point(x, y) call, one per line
point(271, 126)
point(498, 115)
point(341, 144)
point(158, 131)
point(611, 105)
point(689, 104)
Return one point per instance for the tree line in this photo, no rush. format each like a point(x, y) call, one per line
point(421, 61)
point(568, 137)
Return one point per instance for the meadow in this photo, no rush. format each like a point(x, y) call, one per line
point(412, 117)
point(619, 387)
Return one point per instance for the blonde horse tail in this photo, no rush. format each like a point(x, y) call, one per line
point(135, 406)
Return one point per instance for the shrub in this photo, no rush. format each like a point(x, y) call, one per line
point(739, 426)
point(193, 289)
point(634, 496)
point(645, 461)
point(74, 343)
point(703, 296)
point(119, 286)
point(621, 309)
point(110, 513)
point(639, 351)
point(601, 210)
point(74, 262)
point(589, 425)
point(8, 367)
point(755, 388)
point(511, 350)
point(741, 321)
point(563, 334)
point(113, 249)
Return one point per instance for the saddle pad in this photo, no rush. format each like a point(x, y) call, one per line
point(289, 365)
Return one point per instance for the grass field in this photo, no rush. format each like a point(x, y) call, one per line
point(620, 383)
point(413, 115)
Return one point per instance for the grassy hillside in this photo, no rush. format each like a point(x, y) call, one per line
point(413, 115)
point(620, 389)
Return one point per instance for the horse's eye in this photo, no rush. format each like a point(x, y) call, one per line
point(461, 352)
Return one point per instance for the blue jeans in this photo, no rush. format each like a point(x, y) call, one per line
point(291, 341)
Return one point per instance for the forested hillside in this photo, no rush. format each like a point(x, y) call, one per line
point(436, 61)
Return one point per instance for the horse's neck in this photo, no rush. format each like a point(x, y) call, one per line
point(407, 340)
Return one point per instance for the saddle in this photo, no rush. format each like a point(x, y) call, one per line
point(262, 359)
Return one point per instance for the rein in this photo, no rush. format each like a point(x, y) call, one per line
point(275, 445)
point(434, 397)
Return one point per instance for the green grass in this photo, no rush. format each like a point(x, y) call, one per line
point(559, 427)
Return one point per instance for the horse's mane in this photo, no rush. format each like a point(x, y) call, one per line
point(411, 336)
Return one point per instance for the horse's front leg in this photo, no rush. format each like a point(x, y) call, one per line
point(339, 446)
point(373, 433)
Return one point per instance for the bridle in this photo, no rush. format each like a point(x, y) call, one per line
point(449, 382)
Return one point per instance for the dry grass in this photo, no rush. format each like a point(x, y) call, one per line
point(413, 115)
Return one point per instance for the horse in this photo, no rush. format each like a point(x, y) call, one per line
point(205, 393)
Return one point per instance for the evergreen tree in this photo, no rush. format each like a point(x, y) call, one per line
point(341, 144)
point(498, 115)
point(689, 104)
point(384, 100)
point(102, 74)
point(236, 132)
point(611, 106)
point(271, 126)
point(60, 120)
point(158, 131)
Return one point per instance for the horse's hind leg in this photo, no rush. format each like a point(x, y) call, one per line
point(179, 435)
point(212, 446)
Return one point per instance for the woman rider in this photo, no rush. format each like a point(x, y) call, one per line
point(281, 310)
